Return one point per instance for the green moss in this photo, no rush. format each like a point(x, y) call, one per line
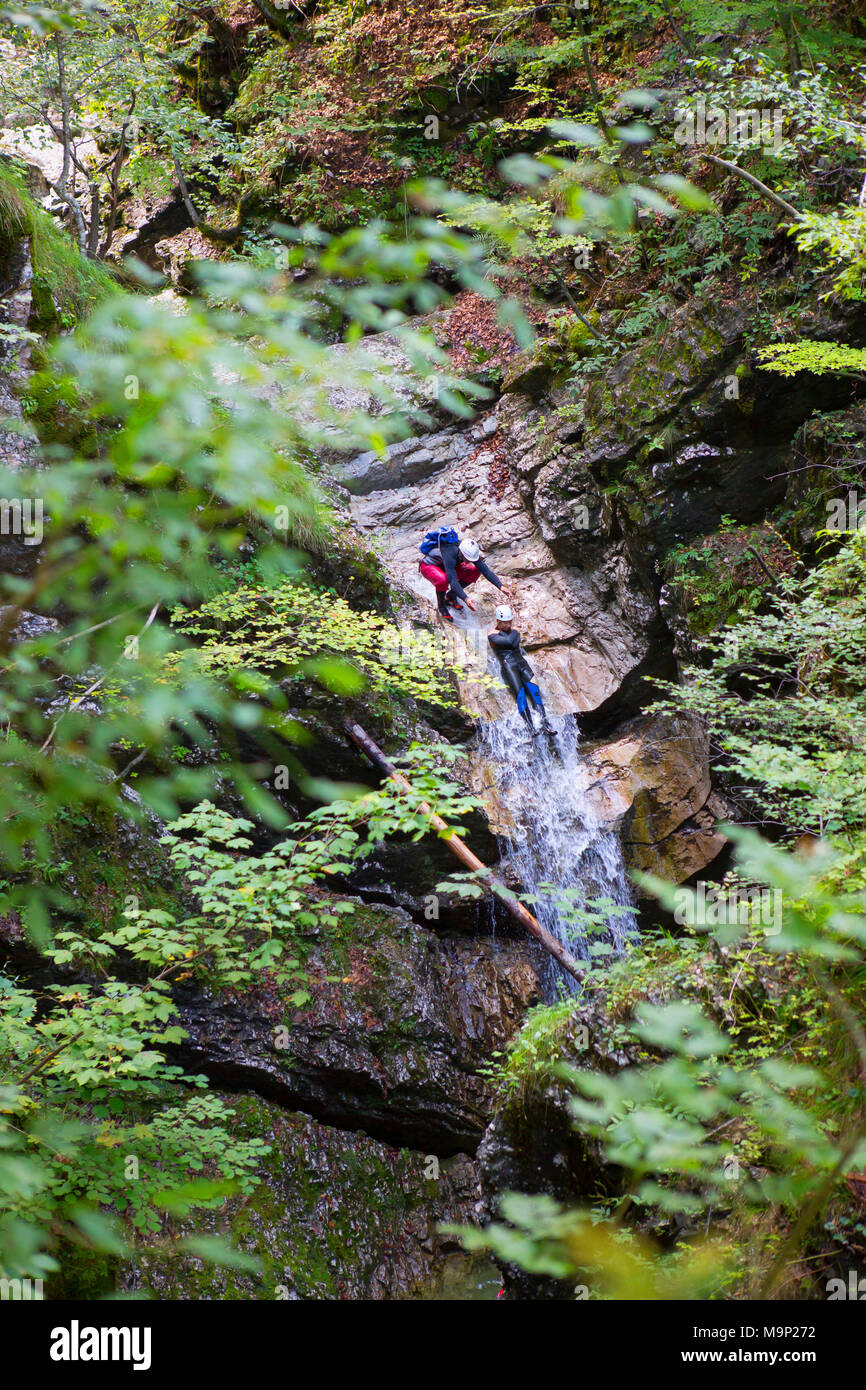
point(331, 1211)
point(13, 209)
point(66, 286)
point(84, 1273)
point(55, 407)
point(100, 861)
point(546, 1039)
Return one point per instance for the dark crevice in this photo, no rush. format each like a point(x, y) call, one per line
point(399, 1132)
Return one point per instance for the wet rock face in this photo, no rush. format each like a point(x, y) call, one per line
point(687, 431)
point(148, 225)
point(588, 625)
point(405, 463)
point(654, 408)
point(29, 626)
point(651, 783)
point(531, 1145)
point(336, 1216)
point(654, 782)
point(526, 479)
point(534, 1152)
point(398, 1025)
point(382, 357)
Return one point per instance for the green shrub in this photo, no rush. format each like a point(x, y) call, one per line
point(66, 286)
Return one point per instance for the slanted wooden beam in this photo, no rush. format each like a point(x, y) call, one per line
point(511, 904)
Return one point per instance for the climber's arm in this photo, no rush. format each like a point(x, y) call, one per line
point(491, 577)
point(449, 555)
point(488, 572)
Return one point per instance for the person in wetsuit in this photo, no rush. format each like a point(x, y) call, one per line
point(516, 670)
point(449, 565)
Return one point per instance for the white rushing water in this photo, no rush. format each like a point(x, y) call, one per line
point(564, 859)
point(559, 853)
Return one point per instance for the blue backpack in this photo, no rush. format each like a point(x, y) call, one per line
point(434, 539)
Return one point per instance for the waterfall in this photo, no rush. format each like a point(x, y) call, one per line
point(561, 855)
point(558, 852)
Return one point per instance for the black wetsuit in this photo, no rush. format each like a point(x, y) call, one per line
point(517, 673)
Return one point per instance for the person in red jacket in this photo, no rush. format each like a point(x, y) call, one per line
point(450, 565)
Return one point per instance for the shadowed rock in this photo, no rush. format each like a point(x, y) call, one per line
point(334, 1216)
point(397, 1026)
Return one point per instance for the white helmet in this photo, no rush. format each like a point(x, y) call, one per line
point(470, 549)
point(504, 614)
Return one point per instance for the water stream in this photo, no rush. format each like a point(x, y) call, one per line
point(560, 854)
point(567, 862)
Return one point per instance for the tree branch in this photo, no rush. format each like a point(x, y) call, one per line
point(222, 235)
point(679, 34)
point(91, 688)
point(756, 183)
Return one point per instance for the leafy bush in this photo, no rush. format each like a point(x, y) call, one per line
point(785, 696)
point(95, 1122)
point(292, 630)
point(702, 1126)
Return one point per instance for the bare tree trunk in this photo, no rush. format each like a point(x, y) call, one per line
point(93, 233)
point(223, 235)
point(61, 188)
point(681, 39)
point(589, 70)
point(792, 48)
point(116, 166)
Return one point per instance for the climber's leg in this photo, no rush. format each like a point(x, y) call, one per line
point(523, 706)
point(439, 579)
point(435, 574)
point(534, 694)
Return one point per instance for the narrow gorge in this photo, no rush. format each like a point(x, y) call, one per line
point(260, 332)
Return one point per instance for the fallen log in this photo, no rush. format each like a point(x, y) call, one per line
point(511, 904)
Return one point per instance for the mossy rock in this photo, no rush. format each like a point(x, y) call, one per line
point(66, 285)
point(336, 1215)
point(397, 1025)
point(529, 372)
